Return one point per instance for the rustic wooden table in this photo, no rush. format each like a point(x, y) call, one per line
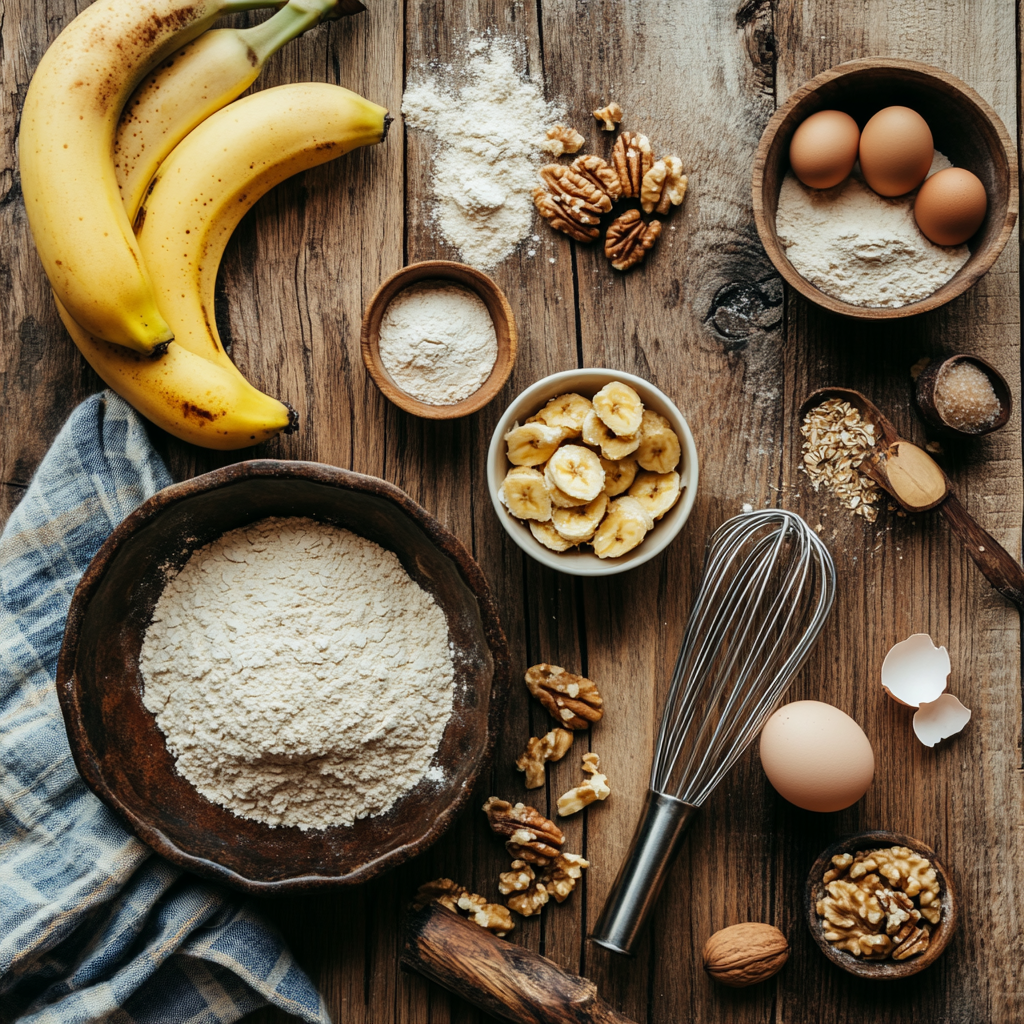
point(707, 320)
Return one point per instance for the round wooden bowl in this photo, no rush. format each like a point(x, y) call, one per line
point(880, 969)
point(965, 128)
point(924, 394)
point(122, 754)
point(504, 329)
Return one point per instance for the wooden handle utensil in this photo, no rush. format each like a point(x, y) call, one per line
point(917, 483)
point(506, 980)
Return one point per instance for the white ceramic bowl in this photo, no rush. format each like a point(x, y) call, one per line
point(587, 383)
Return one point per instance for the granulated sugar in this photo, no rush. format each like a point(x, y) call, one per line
point(488, 134)
point(965, 398)
point(300, 676)
point(860, 247)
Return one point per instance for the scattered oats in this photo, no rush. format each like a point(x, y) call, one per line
point(836, 441)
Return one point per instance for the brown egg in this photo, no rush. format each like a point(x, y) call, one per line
point(950, 206)
point(816, 756)
point(896, 151)
point(824, 148)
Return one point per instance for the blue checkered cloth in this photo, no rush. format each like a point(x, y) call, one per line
point(94, 926)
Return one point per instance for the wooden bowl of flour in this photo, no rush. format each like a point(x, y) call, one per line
point(443, 272)
point(122, 753)
point(965, 129)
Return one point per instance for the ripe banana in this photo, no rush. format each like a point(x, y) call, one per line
point(212, 178)
point(618, 475)
point(579, 524)
point(203, 76)
point(623, 528)
point(190, 397)
point(659, 449)
point(532, 443)
point(71, 110)
point(597, 433)
point(657, 492)
point(568, 411)
point(524, 492)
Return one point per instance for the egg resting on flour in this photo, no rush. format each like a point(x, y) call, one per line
point(816, 756)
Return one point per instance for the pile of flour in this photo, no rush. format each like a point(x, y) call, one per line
point(487, 153)
point(437, 341)
point(860, 247)
point(300, 676)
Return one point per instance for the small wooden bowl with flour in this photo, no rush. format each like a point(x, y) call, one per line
point(439, 339)
point(965, 129)
point(303, 691)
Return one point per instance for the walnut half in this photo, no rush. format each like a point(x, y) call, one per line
point(573, 701)
point(633, 158)
point(609, 116)
point(452, 896)
point(629, 239)
point(663, 186)
point(552, 747)
point(571, 202)
point(524, 826)
point(561, 139)
point(595, 788)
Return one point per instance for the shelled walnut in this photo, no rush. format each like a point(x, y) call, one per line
point(869, 908)
point(629, 239)
point(552, 747)
point(663, 186)
point(594, 788)
point(517, 879)
point(570, 201)
point(609, 116)
point(572, 700)
point(533, 890)
point(632, 158)
point(492, 916)
point(524, 826)
point(561, 139)
point(531, 901)
point(599, 173)
point(562, 874)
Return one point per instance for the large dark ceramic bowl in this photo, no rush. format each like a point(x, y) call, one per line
point(122, 754)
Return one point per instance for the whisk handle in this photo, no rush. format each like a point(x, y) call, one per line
point(643, 872)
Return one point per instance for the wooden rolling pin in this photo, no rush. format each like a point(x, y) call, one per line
point(506, 980)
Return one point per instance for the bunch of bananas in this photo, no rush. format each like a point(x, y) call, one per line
point(136, 167)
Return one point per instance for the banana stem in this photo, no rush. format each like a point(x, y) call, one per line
point(291, 21)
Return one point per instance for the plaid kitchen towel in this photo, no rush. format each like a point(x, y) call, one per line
point(93, 925)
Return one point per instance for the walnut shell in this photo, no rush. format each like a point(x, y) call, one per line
point(745, 954)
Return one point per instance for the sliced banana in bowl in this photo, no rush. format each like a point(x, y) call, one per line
point(592, 471)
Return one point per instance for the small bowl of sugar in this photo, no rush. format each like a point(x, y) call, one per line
point(439, 339)
point(963, 395)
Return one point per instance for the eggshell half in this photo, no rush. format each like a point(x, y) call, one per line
point(816, 756)
point(915, 671)
point(896, 151)
point(940, 719)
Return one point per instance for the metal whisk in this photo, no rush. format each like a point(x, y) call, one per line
point(767, 587)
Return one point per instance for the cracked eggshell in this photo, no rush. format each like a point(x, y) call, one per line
point(939, 719)
point(915, 671)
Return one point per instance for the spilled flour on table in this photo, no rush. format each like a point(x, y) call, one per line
point(300, 676)
point(487, 136)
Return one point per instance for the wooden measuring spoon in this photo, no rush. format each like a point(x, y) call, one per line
point(917, 483)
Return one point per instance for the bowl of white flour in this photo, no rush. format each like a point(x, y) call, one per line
point(439, 339)
point(859, 254)
point(283, 675)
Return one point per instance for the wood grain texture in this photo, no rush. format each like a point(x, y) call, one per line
point(708, 320)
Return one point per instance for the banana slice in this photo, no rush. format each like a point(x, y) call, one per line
point(659, 449)
point(532, 443)
point(559, 499)
point(579, 524)
point(619, 407)
point(567, 411)
point(623, 528)
point(596, 432)
point(618, 475)
point(657, 492)
point(524, 492)
point(549, 536)
point(576, 471)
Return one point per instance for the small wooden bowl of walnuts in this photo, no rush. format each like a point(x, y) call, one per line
point(592, 472)
point(880, 905)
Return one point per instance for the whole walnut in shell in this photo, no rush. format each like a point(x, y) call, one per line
point(745, 954)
